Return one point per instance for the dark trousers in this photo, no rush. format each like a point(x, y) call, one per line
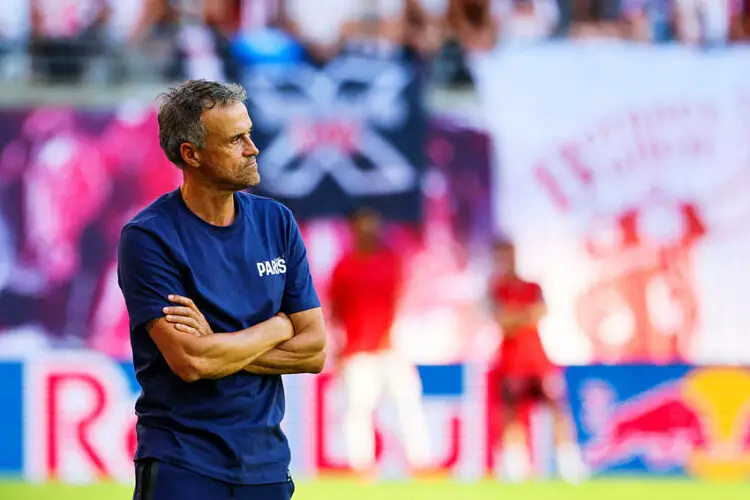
point(161, 481)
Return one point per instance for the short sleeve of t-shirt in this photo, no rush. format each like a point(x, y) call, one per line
point(536, 293)
point(146, 275)
point(527, 294)
point(299, 291)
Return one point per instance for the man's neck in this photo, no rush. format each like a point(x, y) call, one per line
point(508, 276)
point(367, 248)
point(213, 206)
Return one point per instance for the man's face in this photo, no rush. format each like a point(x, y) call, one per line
point(476, 11)
point(367, 227)
point(505, 259)
point(523, 6)
point(229, 156)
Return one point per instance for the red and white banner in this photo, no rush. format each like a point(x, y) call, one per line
point(70, 419)
point(622, 176)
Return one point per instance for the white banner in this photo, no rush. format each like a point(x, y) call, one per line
point(623, 175)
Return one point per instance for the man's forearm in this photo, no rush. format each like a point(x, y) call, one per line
point(221, 355)
point(281, 365)
point(510, 320)
point(303, 353)
point(534, 314)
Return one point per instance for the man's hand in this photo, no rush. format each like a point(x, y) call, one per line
point(512, 320)
point(187, 318)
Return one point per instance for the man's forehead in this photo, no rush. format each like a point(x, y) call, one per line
point(231, 119)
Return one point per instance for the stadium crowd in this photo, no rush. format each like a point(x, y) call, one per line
point(113, 40)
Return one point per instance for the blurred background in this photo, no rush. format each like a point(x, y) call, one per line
point(609, 139)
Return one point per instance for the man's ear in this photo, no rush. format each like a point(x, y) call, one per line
point(191, 155)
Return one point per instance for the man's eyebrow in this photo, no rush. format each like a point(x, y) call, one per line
point(237, 136)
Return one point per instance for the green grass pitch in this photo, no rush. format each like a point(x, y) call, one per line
point(621, 489)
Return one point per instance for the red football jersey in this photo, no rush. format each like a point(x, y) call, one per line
point(364, 292)
point(521, 354)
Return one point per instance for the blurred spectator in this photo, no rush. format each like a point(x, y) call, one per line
point(133, 28)
point(650, 20)
point(744, 21)
point(741, 22)
point(15, 28)
point(705, 22)
point(261, 37)
point(67, 34)
point(472, 23)
point(375, 27)
point(259, 14)
point(472, 28)
point(325, 27)
point(127, 18)
point(204, 28)
point(425, 25)
point(599, 19)
point(318, 25)
point(175, 39)
point(151, 40)
point(526, 19)
point(429, 34)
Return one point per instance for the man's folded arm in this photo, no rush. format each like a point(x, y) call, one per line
point(303, 353)
point(215, 356)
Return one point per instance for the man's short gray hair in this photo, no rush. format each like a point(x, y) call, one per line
point(180, 110)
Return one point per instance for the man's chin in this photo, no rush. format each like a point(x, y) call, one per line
point(248, 183)
point(254, 180)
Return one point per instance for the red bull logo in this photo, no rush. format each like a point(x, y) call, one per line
point(660, 427)
point(699, 423)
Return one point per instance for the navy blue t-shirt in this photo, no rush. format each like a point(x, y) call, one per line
point(238, 276)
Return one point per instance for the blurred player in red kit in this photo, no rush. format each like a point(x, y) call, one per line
point(526, 375)
point(365, 290)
